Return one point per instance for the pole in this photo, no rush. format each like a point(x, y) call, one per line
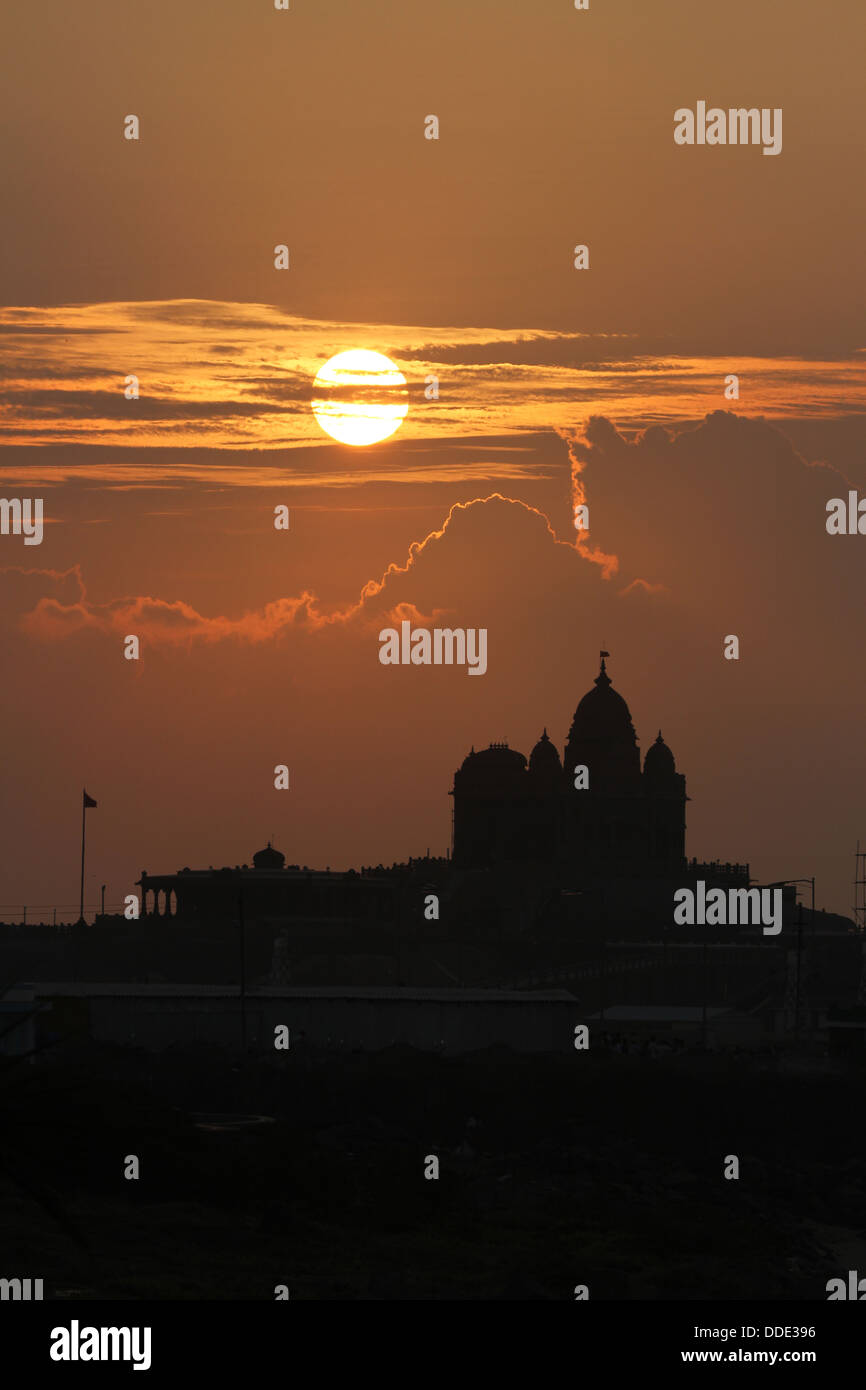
point(602, 917)
point(811, 955)
point(704, 993)
point(102, 910)
point(83, 823)
point(243, 964)
point(799, 953)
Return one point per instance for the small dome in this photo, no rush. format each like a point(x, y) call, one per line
point(494, 769)
point(544, 759)
point(659, 761)
point(268, 858)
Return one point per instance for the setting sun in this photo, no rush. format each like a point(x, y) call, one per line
point(360, 397)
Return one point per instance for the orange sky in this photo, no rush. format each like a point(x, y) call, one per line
point(305, 127)
point(453, 257)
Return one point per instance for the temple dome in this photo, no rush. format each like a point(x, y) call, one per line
point(492, 770)
point(544, 760)
point(603, 711)
point(602, 738)
point(268, 858)
point(659, 761)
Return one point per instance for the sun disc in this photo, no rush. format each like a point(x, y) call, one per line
point(360, 397)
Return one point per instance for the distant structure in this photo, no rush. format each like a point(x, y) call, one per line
point(579, 843)
point(596, 812)
point(269, 891)
point(563, 875)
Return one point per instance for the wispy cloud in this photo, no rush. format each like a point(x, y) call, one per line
point(239, 376)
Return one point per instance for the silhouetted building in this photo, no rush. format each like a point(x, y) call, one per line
point(552, 850)
point(595, 812)
point(269, 891)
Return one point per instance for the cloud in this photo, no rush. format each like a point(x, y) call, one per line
point(432, 581)
point(407, 612)
point(166, 623)
point(112, 405)
point(54, 330)
point(484, 527)
point(21, 587)
point(609, 563)
point(714, 516)
point(223, 372)
point(641, 586)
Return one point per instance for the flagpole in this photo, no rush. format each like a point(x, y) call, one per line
point(83, 823)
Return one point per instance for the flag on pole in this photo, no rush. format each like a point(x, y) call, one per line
point(88, 801)
point(603, 654)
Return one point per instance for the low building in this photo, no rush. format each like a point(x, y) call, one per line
point(724, 1027)
point(155, 1016)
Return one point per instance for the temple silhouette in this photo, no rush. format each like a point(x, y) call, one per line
point(580, 843)
point(559, 888)
point(595, 811)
